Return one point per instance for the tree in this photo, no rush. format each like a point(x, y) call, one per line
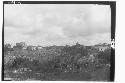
point(20, 45)
point(29, 48)
point(7, 48)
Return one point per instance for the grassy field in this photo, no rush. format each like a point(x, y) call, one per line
point(97, 75)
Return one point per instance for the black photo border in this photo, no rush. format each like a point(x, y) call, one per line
point(113, 25)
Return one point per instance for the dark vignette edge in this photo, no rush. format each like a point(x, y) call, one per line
point(113, 21)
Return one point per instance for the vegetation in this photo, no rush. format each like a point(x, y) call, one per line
point(56, 62)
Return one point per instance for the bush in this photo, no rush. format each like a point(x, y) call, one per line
point(104, 57)
point(21, 62)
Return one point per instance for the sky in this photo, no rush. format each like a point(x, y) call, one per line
point(57, 24)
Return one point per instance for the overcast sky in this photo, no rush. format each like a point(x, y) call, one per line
point(57, 24)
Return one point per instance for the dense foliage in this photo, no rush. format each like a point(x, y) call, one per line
point(57, 59)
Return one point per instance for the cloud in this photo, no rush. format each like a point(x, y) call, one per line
point(57, 23)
